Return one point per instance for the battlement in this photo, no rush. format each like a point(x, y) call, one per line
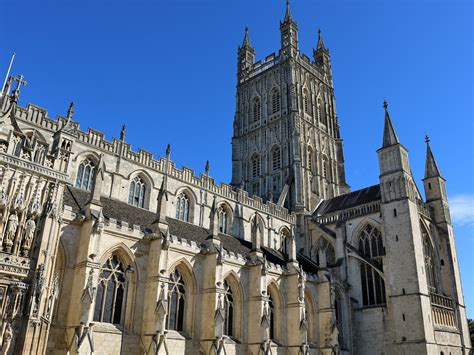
point(38, 116)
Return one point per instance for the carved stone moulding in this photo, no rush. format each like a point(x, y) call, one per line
point(14, 265)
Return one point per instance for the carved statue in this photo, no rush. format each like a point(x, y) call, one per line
point(11, 229)
point(30, 228)
point(7, 338)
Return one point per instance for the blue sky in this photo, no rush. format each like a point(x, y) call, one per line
point(167, 70)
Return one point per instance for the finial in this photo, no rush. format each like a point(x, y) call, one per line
point(246, 41)
point(427, 139)
point(320, 44)
point(288, 11)
point(70, 110)
point(207, 167)
point(385, 105)
point(20, 81)
point(168, 151)
point(122, 133)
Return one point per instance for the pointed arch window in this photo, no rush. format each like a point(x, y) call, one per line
point(255, 166)
point(257, 109)
point(306, 103)
point(110, 292)
point(228, 310)
point(276, 158)
point(310, 159)
point(85, 174)
point(176, 302)
point(182, 207)
point(275, 101)
point(223, 219)
point(136, 195)
point(271, 314)
point(428, 254)
point(372, 248)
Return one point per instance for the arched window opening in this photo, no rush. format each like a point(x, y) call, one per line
point(136, 196)
point(310, 159)
point(275, 101)
point(223, 219)
point(228, 310)
point(271, 313)
point(371, 246)
point(182, 207)
point(85, 174)
point(306, 102)
point(276, 158)
point(338, 314)
point(110, 292)
point(428, 253)
point(176, 302)
point(255, 166)
point(257, 109)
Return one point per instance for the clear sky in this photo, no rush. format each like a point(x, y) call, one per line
point(167, 69)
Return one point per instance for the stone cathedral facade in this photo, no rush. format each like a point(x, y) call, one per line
point(105, 250)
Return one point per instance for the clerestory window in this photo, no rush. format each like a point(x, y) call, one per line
point(136, 195)
point(85, 174)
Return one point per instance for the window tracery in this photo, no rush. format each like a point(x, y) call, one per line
point(176, 302)
point(275, 101)
point(228, 310)
point(371, 246)
point(223, 219)
point(428, 254)
point(136, 195)
point(182, 207)
point(276, 158)
point(85, 174)
point(257, 109)
point(110, 292)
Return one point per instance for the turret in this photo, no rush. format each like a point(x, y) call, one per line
point(435, 187)
point(289, 34)
point(322, 58)
point(246, 56)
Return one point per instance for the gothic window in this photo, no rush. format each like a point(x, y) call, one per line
point(257, 109)
point(429, 261)
point(306, 101)
point(372, 248)
point(136, 195)
point(256, 188)
point(110, 292)
point(276, 183)
point(275, 101)
point(182, 207)
point(255, 166)
point(271, 314)
point(276, 158)
point(176, 302)
point(39, 153)
point(228, 310)
point(223, 219)
point(85, 174)
point(18, 146)
point(310, 159)
point(325, 169)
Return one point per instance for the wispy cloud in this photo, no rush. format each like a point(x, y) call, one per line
point(462, 209)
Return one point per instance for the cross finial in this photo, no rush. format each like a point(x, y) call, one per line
point(70, 110)
point(385, 105)
point(20, 81)
point(207, 167)
point(122, 133)
point(427, 139)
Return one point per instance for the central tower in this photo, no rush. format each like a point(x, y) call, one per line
point(286, 145)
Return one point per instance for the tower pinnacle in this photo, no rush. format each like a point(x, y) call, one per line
point(246, 41)
point(288, 16)
point(320, 44)
point(389, 135)
point(431, 168)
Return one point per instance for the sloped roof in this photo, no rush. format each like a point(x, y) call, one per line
point(346, 201)
point(121, 211)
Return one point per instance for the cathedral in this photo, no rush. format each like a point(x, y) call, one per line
point(106, 250)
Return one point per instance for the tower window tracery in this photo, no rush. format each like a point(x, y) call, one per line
point(275, 101)
point(276, 158)
point(371, 246)
point(255, 166)
point(85, 174)
point(257, 109)
point(136, 195)
point(428, 254)
point(176, 302)
point(306, 103)
point(182, 207)
point(110, 292)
